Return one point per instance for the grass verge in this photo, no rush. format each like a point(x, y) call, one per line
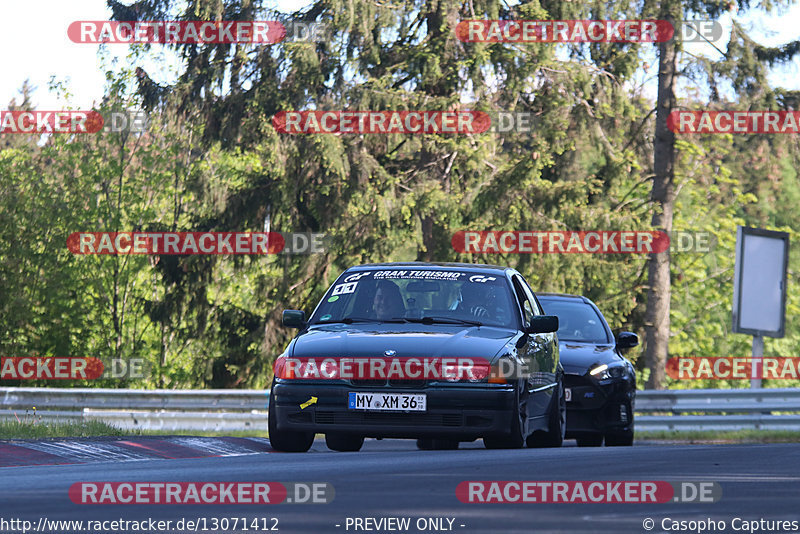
point(730, 436)
point(31, 428)
point(25, 429)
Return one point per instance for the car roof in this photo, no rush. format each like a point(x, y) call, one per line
point(422, 264)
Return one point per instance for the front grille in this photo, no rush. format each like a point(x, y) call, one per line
point(571, 381)
point(580, 420)
point(368, 418)
point(325, 418)
point(585, 394)
point(453, 419)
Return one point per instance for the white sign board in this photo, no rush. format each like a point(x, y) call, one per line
point(759, 284)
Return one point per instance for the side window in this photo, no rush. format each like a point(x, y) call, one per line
point(537, 308)
point(524, 302)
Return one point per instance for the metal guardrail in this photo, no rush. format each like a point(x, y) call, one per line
point(718, 409)
point(228, 410)
point(152, 409)
point(718, 400)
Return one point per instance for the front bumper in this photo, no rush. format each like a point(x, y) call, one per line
point(599, 407)
point(458, 411)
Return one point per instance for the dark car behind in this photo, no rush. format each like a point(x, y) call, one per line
point(600, 382)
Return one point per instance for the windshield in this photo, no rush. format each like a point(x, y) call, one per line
point(577, 321)
point(425, 296)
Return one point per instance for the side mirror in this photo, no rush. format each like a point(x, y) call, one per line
point(541, 324)
point(626, 340)
point(294, 318)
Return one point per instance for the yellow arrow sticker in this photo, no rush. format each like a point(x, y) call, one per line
point(309, 402)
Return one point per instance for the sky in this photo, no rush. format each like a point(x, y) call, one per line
point(48, 52)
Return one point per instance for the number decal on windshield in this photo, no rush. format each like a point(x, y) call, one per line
point(344, 289)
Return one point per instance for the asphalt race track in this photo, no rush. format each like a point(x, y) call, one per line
point(391, 478)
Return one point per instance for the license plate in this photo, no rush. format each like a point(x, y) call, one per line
point(393, 402)
point(568, 394)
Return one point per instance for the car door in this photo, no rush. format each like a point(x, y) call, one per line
point(536, 350)
point(527, 353)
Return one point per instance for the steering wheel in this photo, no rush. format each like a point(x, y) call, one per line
point(479, 311)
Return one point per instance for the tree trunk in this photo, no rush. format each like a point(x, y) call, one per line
point(663, 197)
point(429, 240)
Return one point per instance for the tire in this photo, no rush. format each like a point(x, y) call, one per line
point(619, 439)
point(557, 428)
point(515, 439)
point(594, 440)
point(286, 440)
point(344, 442)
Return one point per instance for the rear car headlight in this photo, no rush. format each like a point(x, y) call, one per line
point(608, 370)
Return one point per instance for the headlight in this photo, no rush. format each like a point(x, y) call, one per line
point(608, 370)
point(465, 370)
point(281, 370)
point(505, 371)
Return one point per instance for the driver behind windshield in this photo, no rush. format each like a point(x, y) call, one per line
point(387, 302)
point(475, 300)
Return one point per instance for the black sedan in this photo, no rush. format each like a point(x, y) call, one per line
point(600, 382)
point(440, 353)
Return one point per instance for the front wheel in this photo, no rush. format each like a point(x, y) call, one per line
point(557, 429)
point(515, 439)
point(286, 440)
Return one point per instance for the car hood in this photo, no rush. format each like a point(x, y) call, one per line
point(366, 340)
point(577, 357)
